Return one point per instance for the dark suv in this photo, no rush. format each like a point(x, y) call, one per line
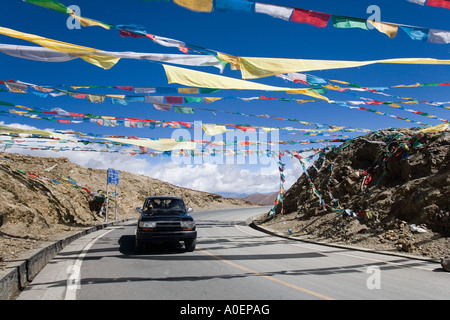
point(165, 219)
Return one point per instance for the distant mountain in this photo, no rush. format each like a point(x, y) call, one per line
point(232, 194)
point(263, 199)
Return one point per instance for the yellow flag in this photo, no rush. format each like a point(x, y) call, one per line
point(196, 5)
point(211, 99)
point(212, 129)
point(200, 79)
point(389, 29)
point(252, 68)
point(90, 55)
point(160, 145)
point(407, 86)
point(31, 131)
point(86, 22)
point(438, 128)
point(188, 90)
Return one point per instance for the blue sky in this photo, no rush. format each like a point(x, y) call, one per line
point(240, 34)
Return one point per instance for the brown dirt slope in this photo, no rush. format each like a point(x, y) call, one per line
point(43, 198)
point(380, 191)
point(263, 199)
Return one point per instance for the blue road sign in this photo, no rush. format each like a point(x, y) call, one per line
point(113, 176)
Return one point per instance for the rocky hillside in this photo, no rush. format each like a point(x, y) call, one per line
point(387, 190)
point(42, 198)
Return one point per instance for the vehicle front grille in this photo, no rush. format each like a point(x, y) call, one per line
point(168, 226)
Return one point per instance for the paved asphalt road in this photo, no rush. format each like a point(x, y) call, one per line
point(232, 262)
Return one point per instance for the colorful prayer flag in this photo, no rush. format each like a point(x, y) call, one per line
point(347, 22)
point(439, 36)
point(196, 5)
point(389, 29)
point(274, 11)
point(233, 5)
point(439, 3)
point(416, 33)
point(314, 18)
point(51, 4)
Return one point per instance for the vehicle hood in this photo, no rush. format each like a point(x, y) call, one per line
point(167, 217)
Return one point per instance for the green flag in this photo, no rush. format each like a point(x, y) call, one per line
point(347, 22)
point(51, 4)
point(183, 109)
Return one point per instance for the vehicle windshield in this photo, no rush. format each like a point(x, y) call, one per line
point(164, 206)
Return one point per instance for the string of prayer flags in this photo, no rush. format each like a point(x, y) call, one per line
point(131, 30)
point(160, 145)
point(90, 55)
point(314, 18)
point(106, 59)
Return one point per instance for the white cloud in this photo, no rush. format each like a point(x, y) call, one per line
point(216, 178)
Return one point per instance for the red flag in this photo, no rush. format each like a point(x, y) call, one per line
point(314, 18)
point(129, 34)
point(439, 3)
point(174, 99)
point(124, 88)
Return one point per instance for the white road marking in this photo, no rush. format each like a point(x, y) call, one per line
point(73, 282)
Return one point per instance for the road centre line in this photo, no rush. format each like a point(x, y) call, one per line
point(284, 283)
point(290, 285)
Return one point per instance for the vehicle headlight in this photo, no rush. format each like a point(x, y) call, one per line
point(147, 224)
point(187, 225)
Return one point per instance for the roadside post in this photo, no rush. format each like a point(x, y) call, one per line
point(113, 178)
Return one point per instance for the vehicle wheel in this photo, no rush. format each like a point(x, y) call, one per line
point(190, 245)
point(138, 246)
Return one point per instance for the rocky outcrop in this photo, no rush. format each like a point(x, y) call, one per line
point(383, 175)
point(388, 190)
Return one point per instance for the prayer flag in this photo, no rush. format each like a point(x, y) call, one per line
point(162, 107)
point(90, 55)
point(314, 18)
point(421, 2)
point(416, 33)
point(389, 29)
point(212, 129)
point(439, 36)
point(233, 5)
point(255, 67)
point(196, 5)
point(183, 109)
point(160, 145)
point(174, 99)
point(439, 3)
point(51, 4)
point(274, 10)
point(194, 78)
point(347, 22)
